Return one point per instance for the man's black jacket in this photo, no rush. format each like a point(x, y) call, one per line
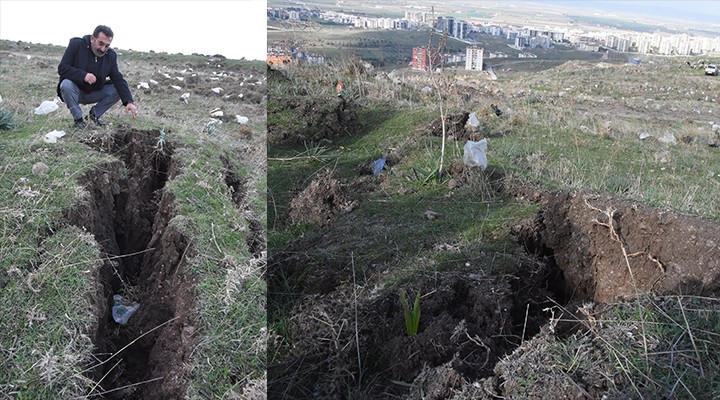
point(79, 59)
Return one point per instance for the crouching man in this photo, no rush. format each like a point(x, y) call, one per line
point(84, 70)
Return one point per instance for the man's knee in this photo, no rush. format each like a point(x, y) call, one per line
point(69, 87)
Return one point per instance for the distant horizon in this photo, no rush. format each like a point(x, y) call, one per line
point(706, 11)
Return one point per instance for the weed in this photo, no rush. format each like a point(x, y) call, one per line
point(6, 120)
point(412, 317)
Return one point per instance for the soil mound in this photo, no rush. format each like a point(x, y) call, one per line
point(311, 119)
point(324, 198)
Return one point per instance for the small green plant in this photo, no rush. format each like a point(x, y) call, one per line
point(161, 142)
point(412, 317)
point(6, 121)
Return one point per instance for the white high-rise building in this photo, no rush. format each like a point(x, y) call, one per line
point(474, 58)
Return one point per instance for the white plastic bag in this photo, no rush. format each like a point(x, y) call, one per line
point(46, 107)
point(475, 154)
point(120, 312)
point(473, 120)
point(52, 136)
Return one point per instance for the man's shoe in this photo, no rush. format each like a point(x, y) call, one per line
point(79, 123)
point(96, 119)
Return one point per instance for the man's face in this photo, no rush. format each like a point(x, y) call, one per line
point(100, 44)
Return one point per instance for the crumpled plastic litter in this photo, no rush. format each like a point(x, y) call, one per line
point(52, 137)
point(473, 120)
point(46, 107)
point(121, 313)
point(378, 166)
point(475, 154)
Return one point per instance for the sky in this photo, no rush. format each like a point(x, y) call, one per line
point(233, 28)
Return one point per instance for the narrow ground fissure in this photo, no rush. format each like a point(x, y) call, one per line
point(255, 240)
point(128, 212)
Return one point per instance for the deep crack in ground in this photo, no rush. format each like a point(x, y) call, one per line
point(128, 211)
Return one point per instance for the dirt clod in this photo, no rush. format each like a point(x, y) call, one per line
point(324, 198)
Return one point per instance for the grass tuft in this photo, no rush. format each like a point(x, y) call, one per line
point(412, 316)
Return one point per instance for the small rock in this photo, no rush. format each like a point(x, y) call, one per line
point(40, 169)
point(453, 183)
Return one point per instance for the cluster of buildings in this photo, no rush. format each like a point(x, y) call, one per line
point(519, 38)
point(426, 58)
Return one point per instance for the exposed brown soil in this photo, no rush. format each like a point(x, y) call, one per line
point(321, 118)
point(318, 203)
point(473, 319)
point(610, 249)
point(129, 215)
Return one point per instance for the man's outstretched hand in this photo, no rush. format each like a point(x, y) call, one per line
point(130, 107)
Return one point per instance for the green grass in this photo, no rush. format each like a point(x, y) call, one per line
point(658, 345)
point(412, 315)
point(45, 341)
point(49, 269)
point(568, 125)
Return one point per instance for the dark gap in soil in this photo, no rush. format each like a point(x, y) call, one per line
point(128, 213)
point(135, 209)
point(255, 240)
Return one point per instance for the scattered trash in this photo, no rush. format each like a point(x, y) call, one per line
point(216, 90)
point(121, 313)
point(475, 154)
point(241, 120)
point(668, 138)
point(143, 85)
point(426, 89)
point(52, 137)
point(644, 135)
point(180, 78)
point(216, 113)
point(40, 169)
point(0, 99)
point(495, 108)
point(339, 88)
point(212, 125)
point(154, 82)
point(473, 120)
point(431, 215)
point(184, 97)
point(176, 87)
point(378, 166)
point(46, 107)
point(29, 57)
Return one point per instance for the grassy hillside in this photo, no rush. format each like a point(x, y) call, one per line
point(164, 209)
point(580, 262)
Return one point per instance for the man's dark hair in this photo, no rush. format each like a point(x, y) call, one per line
point(104, 29)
